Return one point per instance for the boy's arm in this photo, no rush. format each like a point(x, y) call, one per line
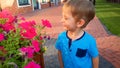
point(60, 59)
point(95, 62)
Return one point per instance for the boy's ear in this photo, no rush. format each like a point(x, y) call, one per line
point(80, 23)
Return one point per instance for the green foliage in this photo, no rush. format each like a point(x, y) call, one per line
point(2, 21)
point(11, 45)
point(109, 15)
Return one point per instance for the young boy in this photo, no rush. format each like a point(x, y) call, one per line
point(77, 48)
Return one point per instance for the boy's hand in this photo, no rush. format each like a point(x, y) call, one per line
point(95, 62)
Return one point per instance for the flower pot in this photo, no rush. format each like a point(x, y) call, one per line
point(39, 59)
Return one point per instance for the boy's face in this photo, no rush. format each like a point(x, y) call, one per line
point(67, 19)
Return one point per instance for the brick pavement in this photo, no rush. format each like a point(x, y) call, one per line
point(109, 45)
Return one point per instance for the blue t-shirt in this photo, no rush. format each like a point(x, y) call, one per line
point(77, 53)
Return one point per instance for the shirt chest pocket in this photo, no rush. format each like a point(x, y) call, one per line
point(81, 52)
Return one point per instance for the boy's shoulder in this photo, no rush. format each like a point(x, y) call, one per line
point(62, 33)
point(89, 36)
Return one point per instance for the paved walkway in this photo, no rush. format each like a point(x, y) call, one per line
point(109, 45)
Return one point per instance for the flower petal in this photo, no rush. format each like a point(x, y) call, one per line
point(46, 23)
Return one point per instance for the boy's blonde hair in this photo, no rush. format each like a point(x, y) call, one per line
point(81, 9)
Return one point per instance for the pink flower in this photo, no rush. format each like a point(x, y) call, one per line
point(27, 50)
point(1, 36)
point(41, 38)
point(29, 33)
point(1, 26)
point(32, 65)
point(23, 50)
point(46, 23)
point(30, 52)
point(8, 15)
point(7, 27)
point(27, 24)
point(35, 43)
point(28, 29)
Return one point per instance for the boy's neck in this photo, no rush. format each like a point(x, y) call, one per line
point(75, 35)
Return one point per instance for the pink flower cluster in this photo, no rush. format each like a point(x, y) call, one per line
point(27, 31)
point(29, 50)
point(6, 15)
point(27, 27)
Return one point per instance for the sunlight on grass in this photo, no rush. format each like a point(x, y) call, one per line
point(109, 15)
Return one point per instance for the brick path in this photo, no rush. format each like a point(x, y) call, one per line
point(109, 45)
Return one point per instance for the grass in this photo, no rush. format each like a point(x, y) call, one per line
point(109, 15)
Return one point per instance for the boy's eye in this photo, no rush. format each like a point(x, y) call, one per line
point(65, 18)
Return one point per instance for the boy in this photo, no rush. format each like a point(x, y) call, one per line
point(77, 48)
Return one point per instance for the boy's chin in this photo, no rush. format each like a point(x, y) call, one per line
point(65, 28)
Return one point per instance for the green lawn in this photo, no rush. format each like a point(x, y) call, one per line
point(109, 15)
